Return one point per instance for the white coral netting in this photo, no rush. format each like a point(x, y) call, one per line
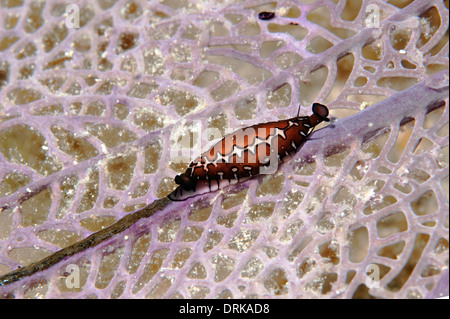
point(96, 95)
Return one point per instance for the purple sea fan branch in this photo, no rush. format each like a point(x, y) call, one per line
point(410, 103)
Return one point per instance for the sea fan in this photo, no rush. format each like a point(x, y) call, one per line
point(98, 99)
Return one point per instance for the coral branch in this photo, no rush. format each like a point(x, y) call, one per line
point(89, 242)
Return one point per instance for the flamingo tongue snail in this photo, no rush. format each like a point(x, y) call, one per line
point(246, 153)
